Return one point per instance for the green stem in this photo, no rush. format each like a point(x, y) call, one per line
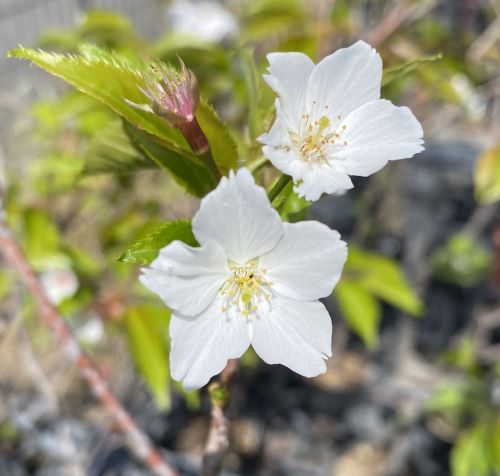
point(278, 187)
point(257, 164)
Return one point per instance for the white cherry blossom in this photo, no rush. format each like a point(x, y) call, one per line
point(330, 121)
point(254, 280)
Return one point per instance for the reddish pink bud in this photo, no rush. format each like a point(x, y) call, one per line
point(175, 97)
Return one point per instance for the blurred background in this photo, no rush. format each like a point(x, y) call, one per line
point(413, 388)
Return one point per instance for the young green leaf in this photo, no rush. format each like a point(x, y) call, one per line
point(110, 78)
point(360, 310)
point(470, 453)
point(146, 250)
point(224, 150)
point(382, 277)
point(190, 173)
point(143, 325)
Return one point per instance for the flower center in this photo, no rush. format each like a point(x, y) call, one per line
point(319, 139)
point(246, 287)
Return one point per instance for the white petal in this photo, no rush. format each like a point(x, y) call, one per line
point(278, 135)
point(187, 279)
point(319, 178)
point(376, 133)
point(202, 345)
point(289, 73)
point(278, 148)
point(286, 160)
point(344, 81)
point(307, 262)
point(238, 216)
point(296, 334)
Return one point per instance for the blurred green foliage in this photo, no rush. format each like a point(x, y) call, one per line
point(367, 278)
point(469, 405)
point(487, 176)
point(105, 155)
point(461, 261)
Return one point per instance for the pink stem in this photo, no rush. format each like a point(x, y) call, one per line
point(137, 441)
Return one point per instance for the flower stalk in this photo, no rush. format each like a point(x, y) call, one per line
point(278, 187)
point(218, 440)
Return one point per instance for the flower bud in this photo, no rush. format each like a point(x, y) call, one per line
point(174, 96)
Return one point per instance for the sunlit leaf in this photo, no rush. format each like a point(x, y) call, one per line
point(146, 250)
point(143, 325)
point(494, 447)
point(487, 176)
point(110, 78)
point(469, 456)
point(450, 399)
point(360, 310)
point(382, 277)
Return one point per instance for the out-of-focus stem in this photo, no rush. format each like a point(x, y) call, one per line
point(218, 438)
point(138, 443)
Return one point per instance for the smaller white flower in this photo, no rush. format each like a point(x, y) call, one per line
point(253, 281)
point(330, 121)
point(59, 284)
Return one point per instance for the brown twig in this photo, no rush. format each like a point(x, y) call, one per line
point(218, 440)
point(396, 18)
point(137, 441)
point(386, 27)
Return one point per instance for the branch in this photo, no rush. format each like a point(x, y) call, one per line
point(218, 441)
point(138, 443)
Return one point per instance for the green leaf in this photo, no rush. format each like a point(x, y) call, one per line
point(469, 456)
point(193, 176)
point(146, 250)
point(41, 240)
point(110, 78)
point(395, 72)
point(144, 330)
point(450, 399)
point(224, 150)
point(487, 176)
point(382, 277)
point(494, 447)
point(360, 310)
point(461, 261)
point(110, 152)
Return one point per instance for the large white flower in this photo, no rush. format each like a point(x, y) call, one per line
point(330, 121)
point(253, 281)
